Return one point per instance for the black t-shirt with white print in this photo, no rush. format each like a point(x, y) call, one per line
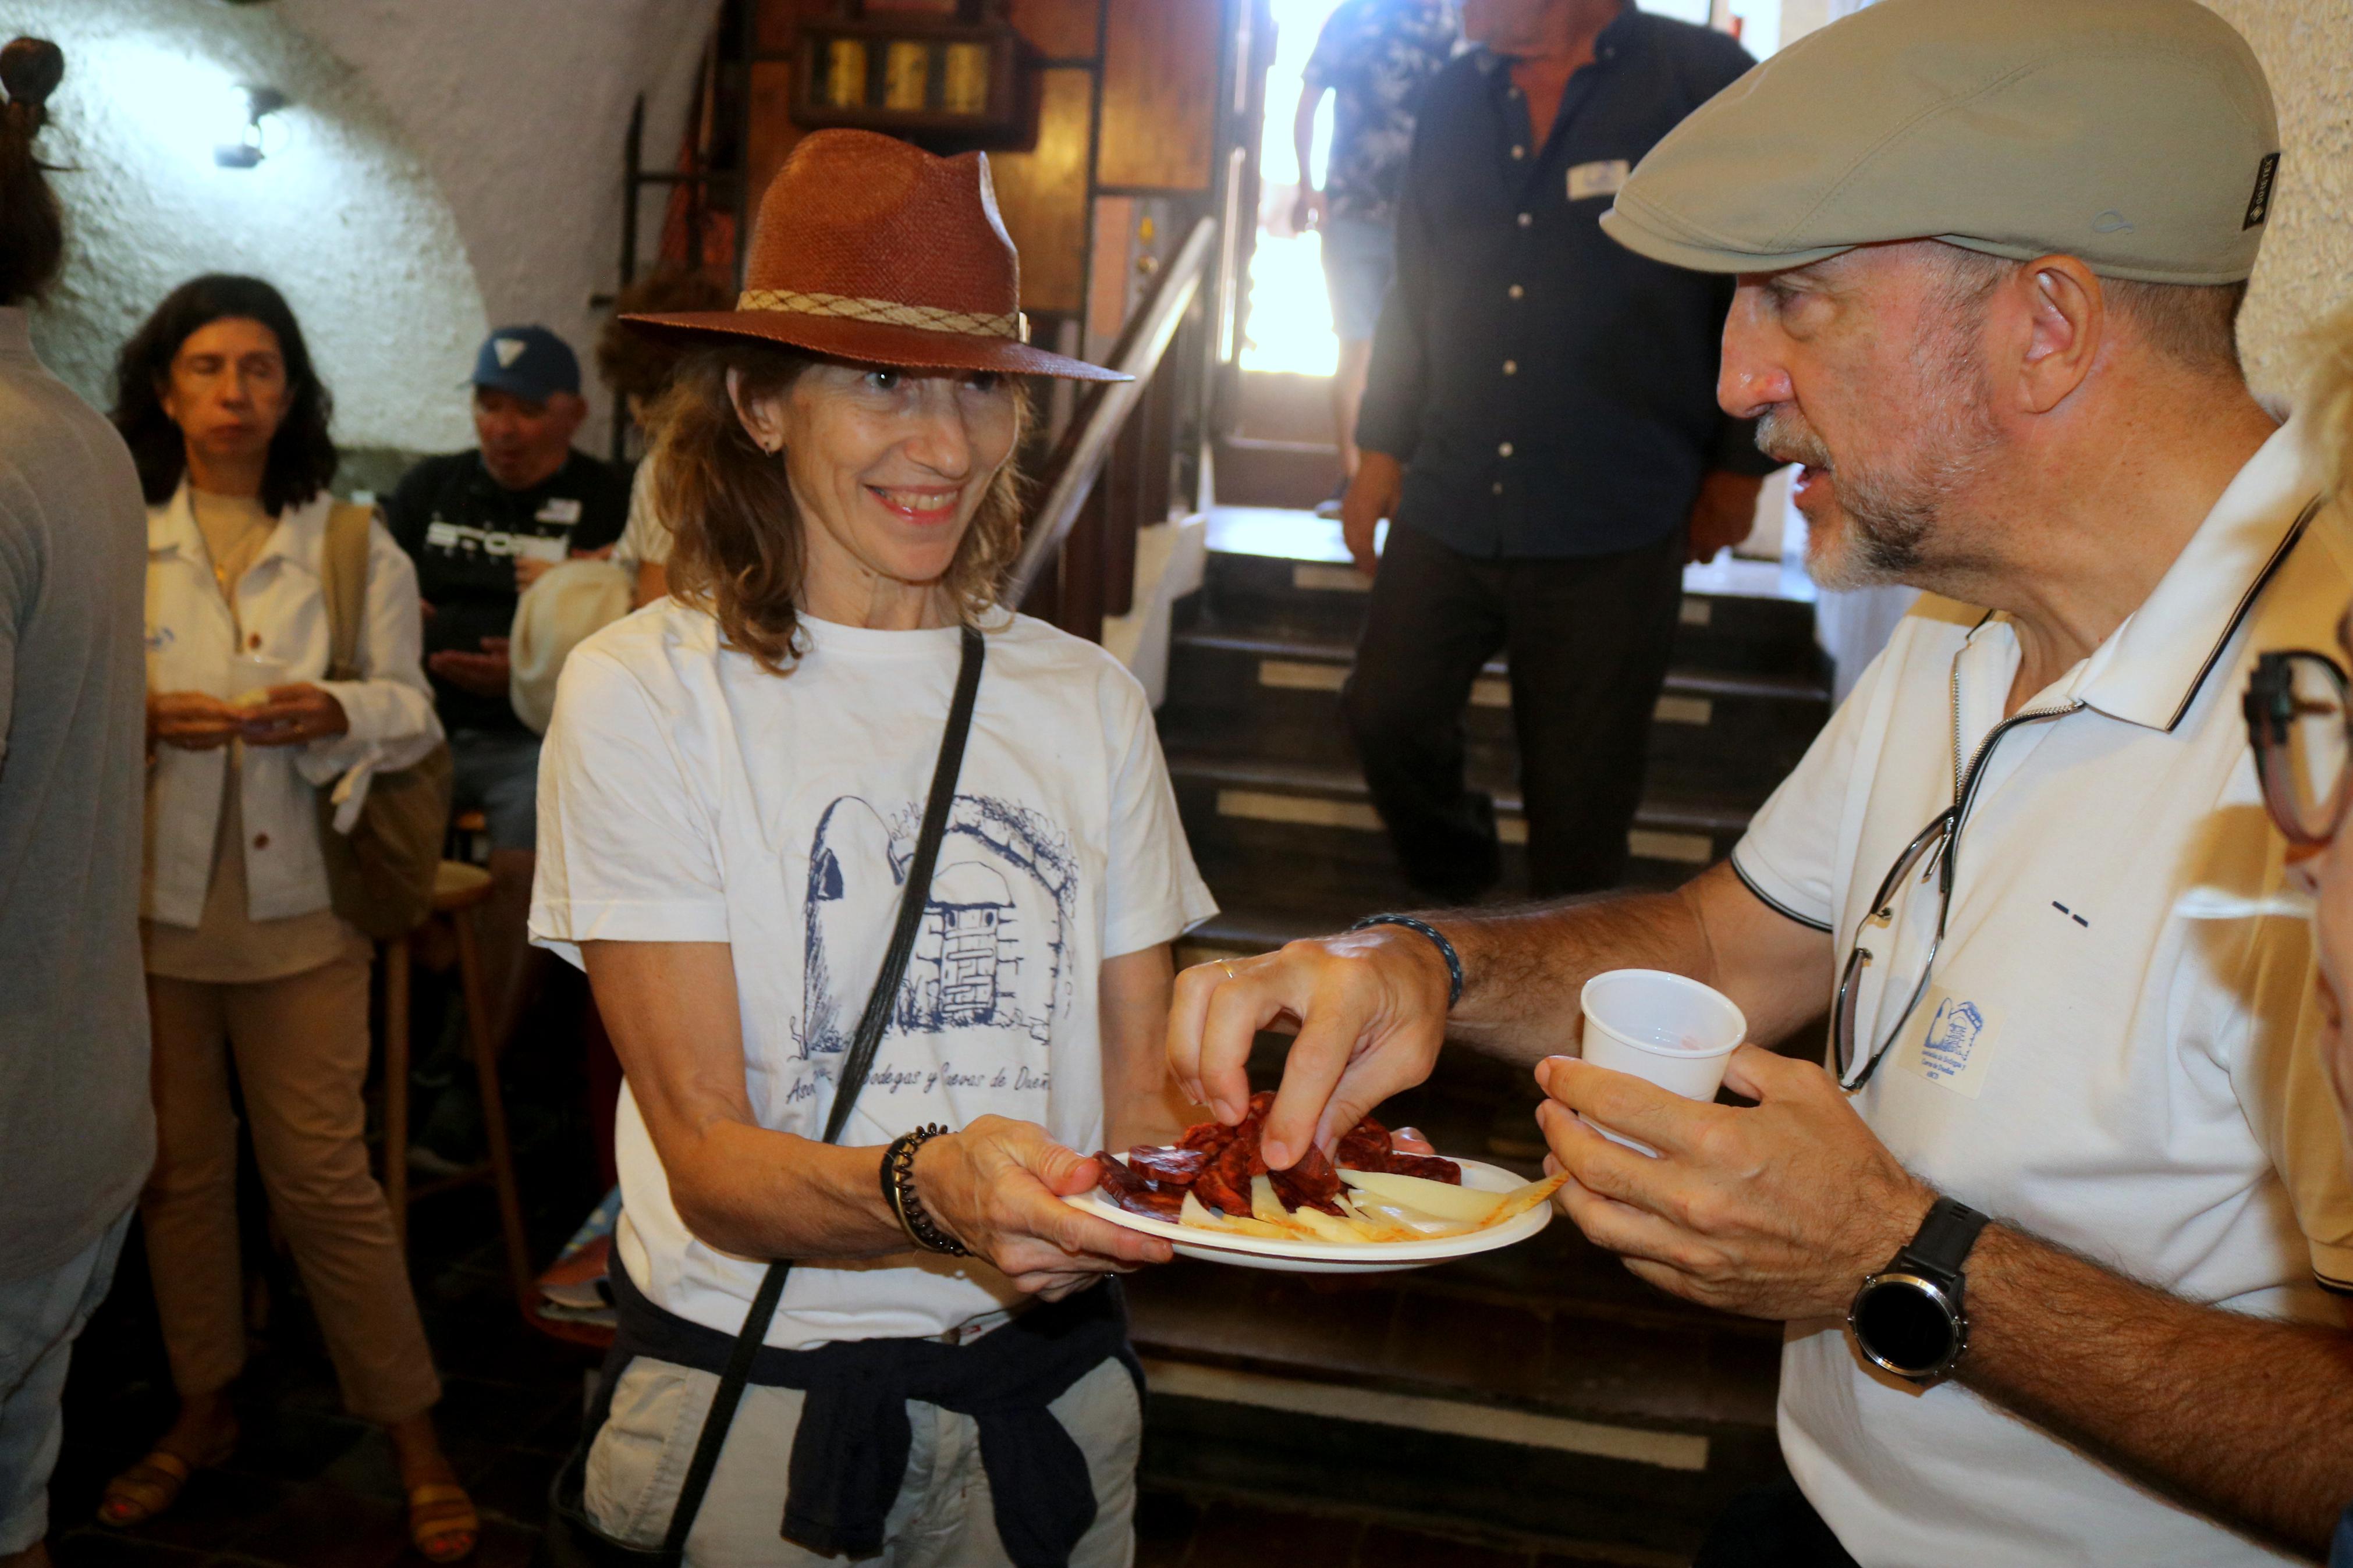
point(465, 530)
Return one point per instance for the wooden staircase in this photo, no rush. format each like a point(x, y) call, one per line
point(1268, 783)
point(1539, 1400)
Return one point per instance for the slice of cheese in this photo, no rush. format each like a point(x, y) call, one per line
point(1194, 1212)
point(1434, 1198)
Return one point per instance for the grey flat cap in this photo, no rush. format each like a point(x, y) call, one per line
point(2136, 134)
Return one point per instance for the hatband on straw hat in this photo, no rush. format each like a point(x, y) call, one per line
point(868, 248)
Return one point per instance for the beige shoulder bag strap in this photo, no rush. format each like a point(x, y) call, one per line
point(343, 570)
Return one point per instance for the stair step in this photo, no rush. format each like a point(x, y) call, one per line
point(1258, 693)
point(1555, 1290)
point(1619, 1417)
point(1307, 829)
point(1280, 406)
point(1253, 930)
point(1275, 473)
point(1284, 571)
point(1326, 650)
point(1579, 1507)
point(1209, 1527)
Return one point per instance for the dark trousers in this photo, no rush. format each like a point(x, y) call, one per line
point(1771, 1526)
point(1588, 639)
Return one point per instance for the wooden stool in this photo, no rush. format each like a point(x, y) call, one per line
point(457, 887)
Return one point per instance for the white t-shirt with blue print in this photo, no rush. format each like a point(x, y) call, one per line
point(688, 796)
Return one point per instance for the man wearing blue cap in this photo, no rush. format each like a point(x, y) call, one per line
point(481, 526)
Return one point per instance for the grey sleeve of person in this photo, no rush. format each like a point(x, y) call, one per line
point(20, 583)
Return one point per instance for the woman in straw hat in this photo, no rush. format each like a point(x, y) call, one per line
point(735, 794)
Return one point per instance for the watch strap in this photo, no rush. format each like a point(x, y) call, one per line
point(1940, 1248)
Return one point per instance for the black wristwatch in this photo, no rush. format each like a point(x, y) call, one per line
point(1907, 1319)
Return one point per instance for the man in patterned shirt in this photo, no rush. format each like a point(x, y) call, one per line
point(1373, 57)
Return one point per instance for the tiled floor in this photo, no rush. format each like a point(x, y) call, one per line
point(309, 1487)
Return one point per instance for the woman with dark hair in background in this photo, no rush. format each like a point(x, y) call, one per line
point(246, 956)
point(75, 1131)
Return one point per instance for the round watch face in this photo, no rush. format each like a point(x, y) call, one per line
point(1904, 1324)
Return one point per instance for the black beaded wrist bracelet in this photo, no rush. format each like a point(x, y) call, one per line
point(1445, 948)
point(898, 1192)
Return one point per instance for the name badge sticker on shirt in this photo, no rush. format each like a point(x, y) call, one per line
point(1954, 1048)
point(565, 510)
point(1607, 178)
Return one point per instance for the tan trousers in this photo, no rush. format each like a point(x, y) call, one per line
point(943, 1518)
point(301, 1048)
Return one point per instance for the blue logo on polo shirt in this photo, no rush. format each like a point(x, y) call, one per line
point(1952, 1036)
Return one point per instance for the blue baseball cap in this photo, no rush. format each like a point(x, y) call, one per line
point(532, 362)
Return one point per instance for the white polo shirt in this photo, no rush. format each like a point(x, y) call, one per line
point(2089, 1064)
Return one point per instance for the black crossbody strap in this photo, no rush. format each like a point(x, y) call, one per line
point(885, 995)
point(913, 898)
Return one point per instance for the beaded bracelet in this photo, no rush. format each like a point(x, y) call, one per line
point(898, 1192)
point(1445, 948)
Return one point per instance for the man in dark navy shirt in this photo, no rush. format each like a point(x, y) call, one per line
point(1542, 431)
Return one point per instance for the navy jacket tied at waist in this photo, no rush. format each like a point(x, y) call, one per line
point(849, 1454)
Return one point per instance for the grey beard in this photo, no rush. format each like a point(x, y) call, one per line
point(1892, 516)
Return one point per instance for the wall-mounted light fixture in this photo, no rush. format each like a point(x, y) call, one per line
point(259, 134)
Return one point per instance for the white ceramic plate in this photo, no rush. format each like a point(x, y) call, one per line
point(1335, 1257)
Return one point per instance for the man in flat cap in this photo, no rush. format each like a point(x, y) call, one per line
point(2055, 1234)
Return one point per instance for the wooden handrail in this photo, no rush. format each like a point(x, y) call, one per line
point(1077, 460)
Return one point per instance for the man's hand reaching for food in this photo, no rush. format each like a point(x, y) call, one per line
point(1369, 1010)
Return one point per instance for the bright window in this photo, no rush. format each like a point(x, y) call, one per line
point(1289, 316)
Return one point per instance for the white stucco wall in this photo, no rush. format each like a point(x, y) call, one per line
point(2306, 269)
point(345, 219)
point(518, 107)
point(449, 165)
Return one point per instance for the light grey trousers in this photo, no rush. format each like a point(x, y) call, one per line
point(943, 1517)
point(38, 1320)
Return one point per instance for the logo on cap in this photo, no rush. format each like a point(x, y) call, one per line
point(509, 350)
point(2259, 205)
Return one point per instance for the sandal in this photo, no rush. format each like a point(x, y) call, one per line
point(149, 1487)
point(442, 1522)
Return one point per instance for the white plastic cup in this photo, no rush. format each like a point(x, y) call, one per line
point(250, 676)
point(1661, 1028)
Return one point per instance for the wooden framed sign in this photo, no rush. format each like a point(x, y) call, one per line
point(943, 73)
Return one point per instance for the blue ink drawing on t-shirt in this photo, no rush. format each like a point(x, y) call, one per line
point(1952, 1036)
point(989, 954)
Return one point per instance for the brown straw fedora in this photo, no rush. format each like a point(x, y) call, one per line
point(868, 248)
